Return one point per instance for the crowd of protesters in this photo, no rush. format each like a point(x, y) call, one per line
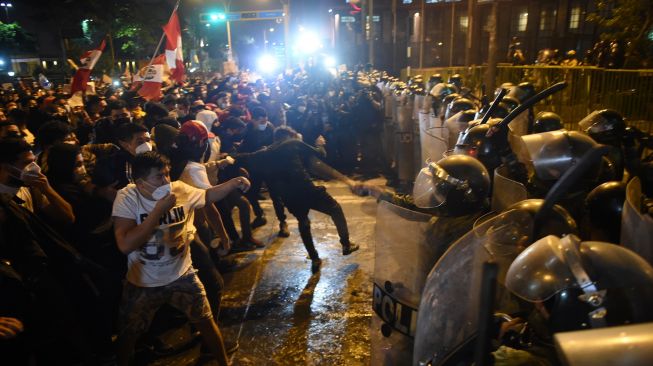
point(112, 208)
point(604, 54)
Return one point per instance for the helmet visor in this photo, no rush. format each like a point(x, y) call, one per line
point(541, 270)
point(432, 186)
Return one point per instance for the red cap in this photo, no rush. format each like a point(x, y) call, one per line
point(196, 131)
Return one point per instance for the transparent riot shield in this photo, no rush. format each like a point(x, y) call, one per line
point(448, 312)
point(519, 125)
point(417, 107)
point(636, 227)
point(405, 136)
point(455, 127)
point(434, 141)
point(506, 191)
point(403, 258)
point(389, 126)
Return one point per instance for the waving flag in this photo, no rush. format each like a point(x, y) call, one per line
point(174, 55)
point(151, 78)
point(88, 60)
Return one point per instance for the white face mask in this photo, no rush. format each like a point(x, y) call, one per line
point(144, 147)
point(31, 169)
point(160, 191)
point(301, 109)
point(262, 127)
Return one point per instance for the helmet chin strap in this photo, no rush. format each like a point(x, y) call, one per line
point(591, 294)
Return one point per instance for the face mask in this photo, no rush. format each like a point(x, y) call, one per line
point(332, 93)
point(144, 147)
point(30, 170)
point(224, 105)
point(262, 127)
point(161, 191)
point(301, 109)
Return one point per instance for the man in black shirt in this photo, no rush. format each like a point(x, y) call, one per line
point(283, 165)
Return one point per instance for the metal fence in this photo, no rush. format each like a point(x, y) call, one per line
point(628, 91)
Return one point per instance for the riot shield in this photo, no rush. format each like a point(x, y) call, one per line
point(506, 191)
point(434, 141)
point(449, 308)
point(417, 107)
point(404, 133)
point(519, 125)
point(403, 258)
point(636, 228)
point(455, 127)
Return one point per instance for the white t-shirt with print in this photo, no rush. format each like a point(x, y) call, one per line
point(166, 254)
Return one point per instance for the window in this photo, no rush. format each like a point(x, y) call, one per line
point(407, 1)
point(463, 23)
point(547, 19)
point(574, 18)
point(522, 21)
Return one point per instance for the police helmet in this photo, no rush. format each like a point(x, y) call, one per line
point(547, 121)
point(583, 285)
point(457, 105)
point(603, 208)
point(605, 126)
point(456, 185)
point(475, 142)
point(522, 92)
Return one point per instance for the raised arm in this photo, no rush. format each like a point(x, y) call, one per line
point(216, 193)
point(131, 236)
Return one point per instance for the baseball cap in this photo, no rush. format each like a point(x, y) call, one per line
point(196, 131)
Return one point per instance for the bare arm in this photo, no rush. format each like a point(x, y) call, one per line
point(56, 207)
point(216, 193)
point(131, 236)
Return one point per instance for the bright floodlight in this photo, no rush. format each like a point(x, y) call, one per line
point(330, 61)
point(267, 64)
point(2, 62)
point(308, 42)
point(11, 73)
point(116, 83)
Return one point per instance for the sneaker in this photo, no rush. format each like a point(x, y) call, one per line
point(283, 230)
point(315, 265)
point(350, 248)
point(258, 222)
point(252, 242)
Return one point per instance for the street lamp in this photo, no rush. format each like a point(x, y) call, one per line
point(6, 6)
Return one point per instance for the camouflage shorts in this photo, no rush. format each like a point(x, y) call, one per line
point(139, 304)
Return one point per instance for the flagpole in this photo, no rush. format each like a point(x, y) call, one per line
point(163, 35)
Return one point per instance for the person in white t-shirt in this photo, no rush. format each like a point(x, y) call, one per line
point(153, 225)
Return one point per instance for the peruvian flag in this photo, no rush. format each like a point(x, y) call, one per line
point(88, 60)
point(174, 56)
point(151, 78)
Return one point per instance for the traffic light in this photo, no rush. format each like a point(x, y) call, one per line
point(213, 17)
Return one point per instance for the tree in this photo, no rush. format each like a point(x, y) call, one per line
point(628, 21)
point(13, 38)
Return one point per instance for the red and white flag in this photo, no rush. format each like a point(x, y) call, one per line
point(88, 60)
point(174, 55)
point(151, 78)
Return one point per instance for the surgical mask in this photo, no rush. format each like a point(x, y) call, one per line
point(332, 93)
point(31, 169)
point(160, 191)
point(144, 147)
point(262, 127)
point(301, 109)
point(223, 105)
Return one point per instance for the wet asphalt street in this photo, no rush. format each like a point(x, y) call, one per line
point(280, 312)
